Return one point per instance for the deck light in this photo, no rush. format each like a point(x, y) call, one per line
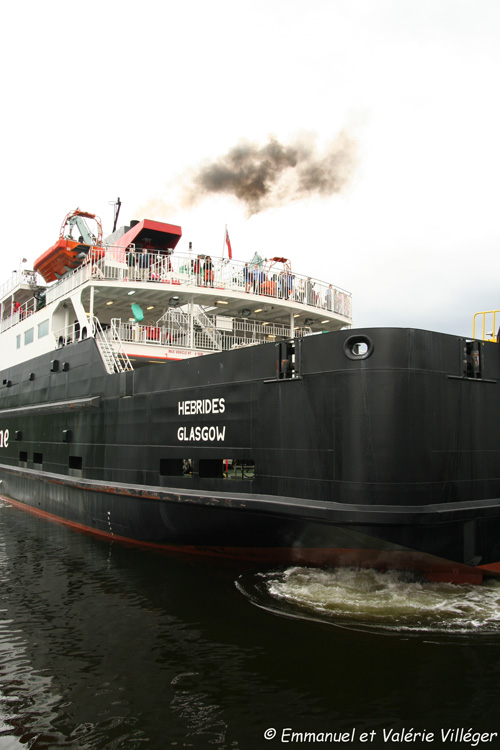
point(259, 310)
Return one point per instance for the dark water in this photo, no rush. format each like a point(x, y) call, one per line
point(108, 646)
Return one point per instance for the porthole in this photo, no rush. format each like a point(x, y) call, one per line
point(358, 346)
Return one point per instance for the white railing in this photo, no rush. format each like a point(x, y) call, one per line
point(174, 330)
point(218, 273)
point(70, 282)
point(118, 264)
point(111, 347)
point(18, 314)
point(67, 335)
point(17, 278)
point(108, 341)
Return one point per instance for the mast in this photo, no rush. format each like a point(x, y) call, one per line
point(117, 211)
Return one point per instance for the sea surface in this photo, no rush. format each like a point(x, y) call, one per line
point(104, 645)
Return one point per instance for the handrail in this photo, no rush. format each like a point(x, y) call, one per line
point(180, 269)
point(119, 264)
point(115, 359)
point(494, 328)
point(170, 331)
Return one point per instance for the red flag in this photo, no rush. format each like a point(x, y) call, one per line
point(228, 243)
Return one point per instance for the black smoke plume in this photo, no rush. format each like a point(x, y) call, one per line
point(274, 174)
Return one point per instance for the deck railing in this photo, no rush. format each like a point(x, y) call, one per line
point(17, 279)
point(487, 325)
point(174, 330)
point(262, 281)
point(117, 264)
point(19, 313)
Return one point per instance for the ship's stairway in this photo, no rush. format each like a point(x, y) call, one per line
point(113, 354)
point(206, 331)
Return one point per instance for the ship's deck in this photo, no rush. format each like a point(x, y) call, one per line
point(156, 282)
point(161, 305)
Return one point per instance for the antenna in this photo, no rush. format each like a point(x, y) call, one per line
point(117, 206)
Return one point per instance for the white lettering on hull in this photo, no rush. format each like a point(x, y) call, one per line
point(202, 406)
point(201, 433)
point(211, 434)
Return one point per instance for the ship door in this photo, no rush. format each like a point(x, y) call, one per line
point(288, 364)
point(471, 361)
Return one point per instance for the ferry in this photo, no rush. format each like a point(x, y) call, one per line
point(195, 403)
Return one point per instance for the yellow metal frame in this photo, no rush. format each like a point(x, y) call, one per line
point(495, 329)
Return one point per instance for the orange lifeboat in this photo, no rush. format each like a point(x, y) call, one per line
point(69, 253)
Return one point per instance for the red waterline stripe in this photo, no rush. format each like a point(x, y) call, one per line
point(435, 570)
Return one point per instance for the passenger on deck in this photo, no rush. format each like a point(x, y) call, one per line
point(144, 264)
point(286, 284)
point(259, 279)
point(247, 277)
point(329, 298)
point(208, 269)
point(196, 267)
point(310, 295)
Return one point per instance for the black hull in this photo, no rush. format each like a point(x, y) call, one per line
point(265, 528)
point(390, 460)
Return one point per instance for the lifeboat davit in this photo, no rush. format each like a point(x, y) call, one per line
point(69, 253)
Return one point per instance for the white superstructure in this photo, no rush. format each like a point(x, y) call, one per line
point(143, 305)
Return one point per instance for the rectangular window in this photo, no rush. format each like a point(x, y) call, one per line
point(38, 458)
point(43, 328)
point(176, 467)
point(28, 336)
point(210, 468)
point(227, 468)
point(239, 468)
point(75, 466)
point(18, 341)
point(23, 457)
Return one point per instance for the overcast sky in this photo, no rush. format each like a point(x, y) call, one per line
point(106, 99)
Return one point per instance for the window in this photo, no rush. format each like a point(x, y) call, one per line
point(75, 466)
point(210, 468)
point(28, 336)
point(239, 468)
point(176, 467)
point(289, 360)
point(43, 328)
point(227, 468)
point(18, 341)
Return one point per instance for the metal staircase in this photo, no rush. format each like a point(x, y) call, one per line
point(113, 354)
point(208, 330)
point(205, 335)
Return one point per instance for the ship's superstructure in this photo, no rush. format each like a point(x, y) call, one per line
point(143, 303)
